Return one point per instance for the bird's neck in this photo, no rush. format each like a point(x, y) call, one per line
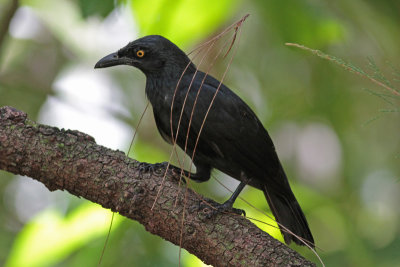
point(160, 90)
point(160, 86)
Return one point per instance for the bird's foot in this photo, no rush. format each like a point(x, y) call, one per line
point(160, 168)
point(211, 210)
point(178, 172)
point(171, 167)
point(146, 167)
point(149, 167)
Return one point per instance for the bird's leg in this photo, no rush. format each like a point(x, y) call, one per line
point(227, 206)
point(231, 200)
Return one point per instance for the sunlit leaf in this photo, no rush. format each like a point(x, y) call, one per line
point(50, 237)
point(182, 21)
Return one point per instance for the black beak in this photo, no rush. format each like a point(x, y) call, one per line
point(110, 60)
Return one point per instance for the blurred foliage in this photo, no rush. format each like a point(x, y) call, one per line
point(193, 18)
point(58, 236)
point(337, 134)
point(92, 8)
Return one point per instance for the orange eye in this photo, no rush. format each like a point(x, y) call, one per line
point(140, 53)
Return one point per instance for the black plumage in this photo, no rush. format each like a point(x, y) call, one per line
point(232, 139)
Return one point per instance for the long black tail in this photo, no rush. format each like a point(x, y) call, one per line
point(288, 213)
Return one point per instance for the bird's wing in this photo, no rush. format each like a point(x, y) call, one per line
point(232, 128)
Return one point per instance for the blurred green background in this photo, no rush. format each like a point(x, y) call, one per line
point(336, 134)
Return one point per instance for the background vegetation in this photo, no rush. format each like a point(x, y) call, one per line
point(336, 133)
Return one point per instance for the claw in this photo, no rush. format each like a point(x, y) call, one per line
point(171, 167)
point(148, 167)
point(145, 167)
point(211, 210)
point(176, 170)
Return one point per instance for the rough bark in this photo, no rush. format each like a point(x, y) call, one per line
point(72, 161)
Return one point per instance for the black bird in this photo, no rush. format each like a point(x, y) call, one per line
point(232, 140)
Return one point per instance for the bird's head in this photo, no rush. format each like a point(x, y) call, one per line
point(150, 54)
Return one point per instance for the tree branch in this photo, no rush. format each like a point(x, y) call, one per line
point(72, 161)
